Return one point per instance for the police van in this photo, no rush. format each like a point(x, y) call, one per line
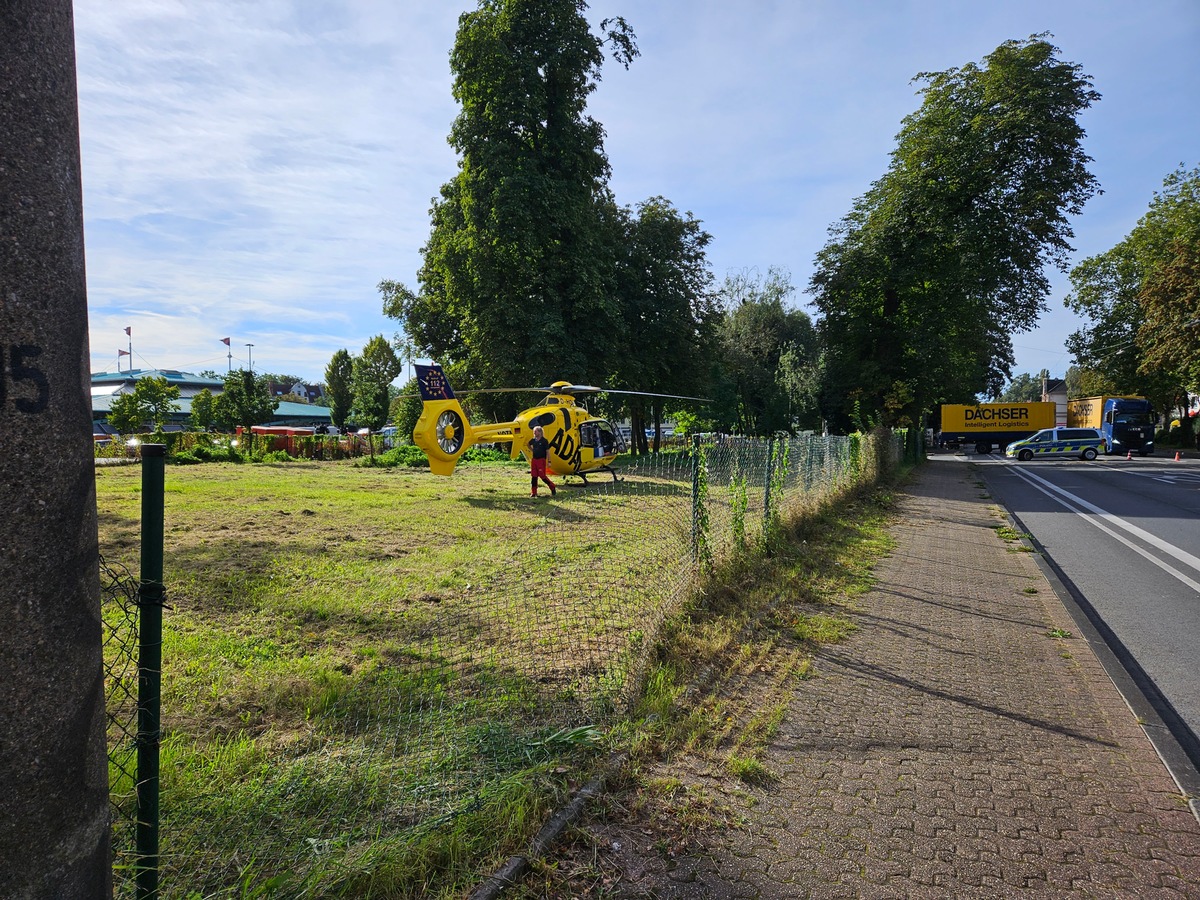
point(1086, 443)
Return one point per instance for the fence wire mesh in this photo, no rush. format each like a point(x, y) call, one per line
point(473, 685)
point(120, 615)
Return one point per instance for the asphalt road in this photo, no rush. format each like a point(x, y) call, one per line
point(1124, 535)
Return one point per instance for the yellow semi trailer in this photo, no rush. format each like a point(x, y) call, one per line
point(993, 425)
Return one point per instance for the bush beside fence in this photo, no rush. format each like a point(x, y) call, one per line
point(185, 447)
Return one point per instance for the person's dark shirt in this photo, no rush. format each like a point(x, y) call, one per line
point(539, 447)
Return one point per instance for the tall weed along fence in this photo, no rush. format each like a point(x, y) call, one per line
point(510, 674)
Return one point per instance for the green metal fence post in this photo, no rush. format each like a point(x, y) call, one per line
point(150, 604)
point(767, 492)
point(695, 497)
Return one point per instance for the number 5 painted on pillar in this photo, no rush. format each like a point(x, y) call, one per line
point(19, 372)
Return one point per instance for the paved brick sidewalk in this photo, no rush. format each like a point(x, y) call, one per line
point(956, 748)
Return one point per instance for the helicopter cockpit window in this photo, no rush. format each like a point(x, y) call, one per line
point(589, 436)
point(607, 440)
point(544, 419)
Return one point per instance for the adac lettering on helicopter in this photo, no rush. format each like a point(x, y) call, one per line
point(433, 384)
point(563, 444)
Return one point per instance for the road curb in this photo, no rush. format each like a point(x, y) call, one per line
point(517, 867)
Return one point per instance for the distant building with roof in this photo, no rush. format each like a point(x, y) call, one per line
point(1054, 390)
point(106, 386)
point(313, 393)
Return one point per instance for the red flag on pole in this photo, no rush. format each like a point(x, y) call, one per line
point(121, 353)
point(225, 341)
point(129, 331)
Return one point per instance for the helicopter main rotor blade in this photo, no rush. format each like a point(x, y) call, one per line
point(649, 394)
point(573, 389)
point(459, 393)
point(569, 390)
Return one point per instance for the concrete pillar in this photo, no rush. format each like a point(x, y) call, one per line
point(53, 762)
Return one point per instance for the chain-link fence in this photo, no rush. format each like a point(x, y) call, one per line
point(119, 603)
point(547, 644)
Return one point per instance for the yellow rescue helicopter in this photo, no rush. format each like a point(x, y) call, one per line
point(579, 441)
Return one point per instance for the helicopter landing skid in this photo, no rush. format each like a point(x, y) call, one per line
point(582, 476)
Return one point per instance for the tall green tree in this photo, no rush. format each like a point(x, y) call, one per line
point(1138, 299)
point(151, 402)
point(669, 310)
point(339, 390)
point(204, 410)
point(405, 409)
point(282, 378)
point(768, 357)
point(372, 375)
point(1170, 331)
point(517, 282)
point(125, 414)
point(1024, 388)
point(158, 396)
point(923, 282)
point(1083, 382)
point(244, 401)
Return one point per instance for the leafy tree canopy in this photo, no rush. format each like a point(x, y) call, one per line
point(282, 378)
point(923, 282)
point(1170, 331)
point(768, 358)
point(405, 409)
point(339, 393)
point(151, 402)
point(1087, 383)
point(517, 282)
point(1024, 388)
point(244, 401)
point(669, 313)
point(372, 374)
point(204, 410)
point(1139, 299)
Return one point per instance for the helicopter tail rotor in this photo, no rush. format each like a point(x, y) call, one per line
point(442, 431)
point(450, 430)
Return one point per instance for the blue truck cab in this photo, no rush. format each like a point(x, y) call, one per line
point(1128, 426)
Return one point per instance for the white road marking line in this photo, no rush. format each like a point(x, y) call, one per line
point(1170, 549)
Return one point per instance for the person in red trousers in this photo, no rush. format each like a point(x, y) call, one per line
point(538, 447)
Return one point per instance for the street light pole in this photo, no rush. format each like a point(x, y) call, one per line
point(250, 357)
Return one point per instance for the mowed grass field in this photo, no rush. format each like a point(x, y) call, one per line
point(310, 604)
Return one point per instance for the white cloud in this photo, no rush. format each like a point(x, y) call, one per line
point(253, 170)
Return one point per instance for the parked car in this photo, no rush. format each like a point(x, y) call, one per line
point(1086, 443)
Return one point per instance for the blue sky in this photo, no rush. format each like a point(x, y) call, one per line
point(254, 170)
